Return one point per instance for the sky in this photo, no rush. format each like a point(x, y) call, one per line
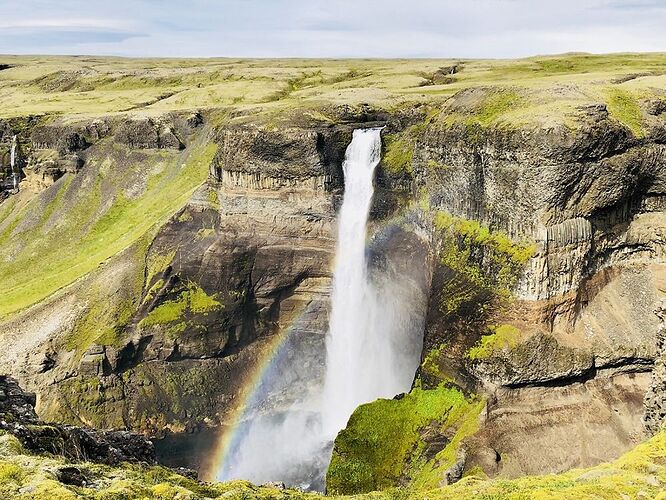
point(331, 28)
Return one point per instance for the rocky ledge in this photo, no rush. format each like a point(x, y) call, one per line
point(18, 417)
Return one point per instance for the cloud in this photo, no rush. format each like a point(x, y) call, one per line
point(332, 28)
point(40, 41)
point(61, 23)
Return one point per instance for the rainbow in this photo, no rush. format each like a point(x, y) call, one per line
point(257, 381)
point(252, 392)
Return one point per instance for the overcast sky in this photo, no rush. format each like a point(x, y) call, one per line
point(330, 28)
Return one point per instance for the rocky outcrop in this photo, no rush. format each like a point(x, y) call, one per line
point(559, 427)
point(655, 397)
point(241, 266)
point(147, 134)
point(17, 416)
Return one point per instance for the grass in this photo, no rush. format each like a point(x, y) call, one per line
point(623, 106)
point(550, 87)
point(91, 219)
point(494, 106)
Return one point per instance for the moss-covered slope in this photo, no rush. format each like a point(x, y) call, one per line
point(69, 229)
point(639, 473)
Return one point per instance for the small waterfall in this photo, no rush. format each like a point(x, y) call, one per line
point(372, 350)
point(12, 162)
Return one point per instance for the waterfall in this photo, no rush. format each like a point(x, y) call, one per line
point(12, 162)
point(346, 385)
point(372, 350)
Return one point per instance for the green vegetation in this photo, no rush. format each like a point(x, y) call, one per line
point(486, 263)
point(171, 394)
point(92, 220)
point(88, 401)
point(156, 263)
point(110, 305)
point(430, 365)
point(639, 473)
point(194, 300)
point(623, 106)
point(551, 87)
point(398, 156)
point(494, 106)
point(503, 336)
point(30, 477)
point(383, 442)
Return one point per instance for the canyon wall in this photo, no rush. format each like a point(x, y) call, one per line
point(542, 248)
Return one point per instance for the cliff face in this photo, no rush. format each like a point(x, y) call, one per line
point(152, 263)
point(167, 334)
point(546, 298)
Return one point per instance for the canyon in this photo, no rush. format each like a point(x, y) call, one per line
point(168, 255)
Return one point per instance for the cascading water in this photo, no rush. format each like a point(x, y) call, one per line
point(12, 162)
point(372, 350)
point(358, 362)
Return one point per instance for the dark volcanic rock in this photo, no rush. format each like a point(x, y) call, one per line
point(17, 416)
point(146, 134)
point(72, 475)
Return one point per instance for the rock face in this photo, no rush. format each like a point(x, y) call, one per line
point(555, 324)
point(17, 416)
point(245, 262)
point(543, 283)
point(569, 426)
point(582, 317)
point(655, 398)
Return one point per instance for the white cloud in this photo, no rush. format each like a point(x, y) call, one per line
point(63, 23)
point(334, 28)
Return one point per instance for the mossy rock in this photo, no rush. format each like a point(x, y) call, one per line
point(383, 445)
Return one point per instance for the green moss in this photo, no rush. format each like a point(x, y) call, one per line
point(205, 233)
point(87, 401)
point(200, 302)
point(487, 263)
point(156, 263)
point(638, 473)
point(174, 313)
point(166, 313)
point(11, 473)
point(434, 165)
point(461, 422)
point(398, 155)
point(503, 337)
point(213, 197)
point(494, 106)
point(623, 106)
point(430, 365)
point(383, 442)
point(9, 444)
point(32, 477)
